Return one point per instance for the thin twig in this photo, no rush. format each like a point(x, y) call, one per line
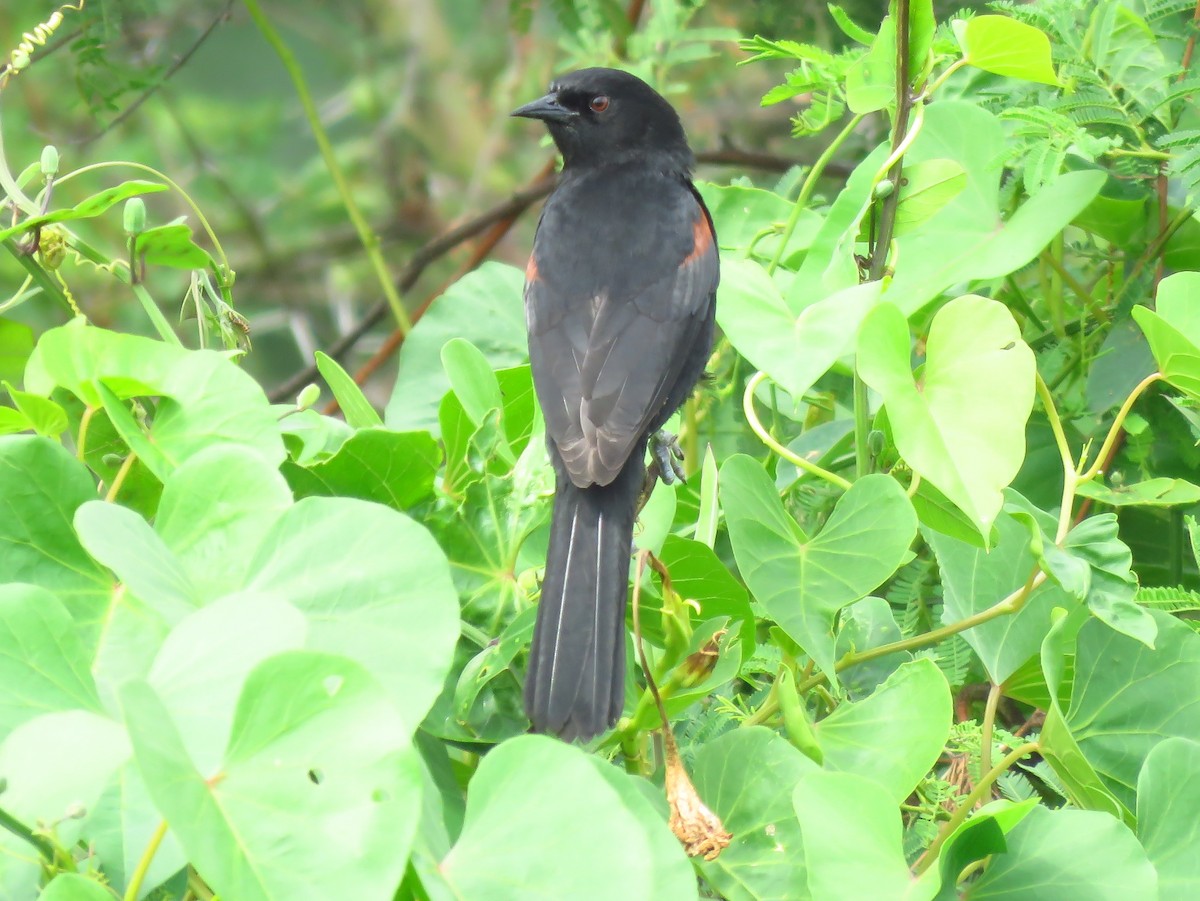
point(427, 254)
point(182, 61)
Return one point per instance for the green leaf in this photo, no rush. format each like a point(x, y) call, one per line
point(1112, 584)
point(928, 186)
point(120, 826)
point(124, 542)
point(523, 808)
point(868, 624)
point(852, 840)
point(471, 379)
point(486, 308)
point(215, 510)
point(46, 417)
point(963, 427)
point(392, 468)
point(73, 887)
point(1168, 797)
point(746, 776)
point(56, 762)
point(1174, 330)
point(1157, 492)
point(921, 26)
point(1125, 698)
point(357, 409)
point(16, 344)
point(204, 398)
point(971, 238)
point(894, 736)
point(804, 582)
point(849, 27)
point(42, 663)
point(979, 837)
point(1005, 46)
point(871, 80)
point(745, 216)
point(86, 209)
point(974, 580)
point(795, 350)
point(172, 245)
point(41, 485)
point(1083, 855)
point(1057, 745)
point(374, 586)
point(205, 659)
point(317, 796)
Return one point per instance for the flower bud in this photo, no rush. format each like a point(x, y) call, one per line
point(135, 216)
point(308, 396)
point(49, 161)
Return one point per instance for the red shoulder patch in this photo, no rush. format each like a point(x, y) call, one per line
point(702, 238)
point(531, 270)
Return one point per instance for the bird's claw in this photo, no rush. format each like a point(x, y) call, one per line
point(667, 456)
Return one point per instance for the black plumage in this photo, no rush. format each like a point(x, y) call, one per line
point(620, 301)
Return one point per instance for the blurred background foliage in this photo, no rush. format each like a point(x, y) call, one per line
point(415, 95)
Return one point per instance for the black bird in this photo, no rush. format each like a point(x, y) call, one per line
point(620, 296)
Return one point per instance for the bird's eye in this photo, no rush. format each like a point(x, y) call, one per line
point(599, 103)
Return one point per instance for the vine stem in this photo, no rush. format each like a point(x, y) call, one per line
point(370, 241)
point(978, 793)
point(119, 478)
point(44, 846)
point(989, 725)
point(1011, 604)
point(810, 184)
point(902, 139)
point(1118, 423)
point(766, 438)
point(143, 865)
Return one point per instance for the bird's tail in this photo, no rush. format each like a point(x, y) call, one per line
point(575, 687)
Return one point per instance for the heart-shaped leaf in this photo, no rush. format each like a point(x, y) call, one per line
point(803, 582)
point(962, 426)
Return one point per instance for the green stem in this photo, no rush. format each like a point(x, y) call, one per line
point(810, 185)
point(369, 239)
point(989, 725)
point(982, 790)
point(1010, 604)
point(862, 427)
point(766, 438)
point(143, 865)
point(941, 79)
point(44, 846)
point(223, 275)
point(1118, 423)
point(1070, 477)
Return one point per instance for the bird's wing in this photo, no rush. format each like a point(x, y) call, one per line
point(604, 366)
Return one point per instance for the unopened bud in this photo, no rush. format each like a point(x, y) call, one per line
point(875, 441)
point(308, 396)
point(75, 812)
point(49, 161)
point(884, 189)
point(135, 216)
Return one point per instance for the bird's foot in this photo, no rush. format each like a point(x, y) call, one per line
point(667, 457)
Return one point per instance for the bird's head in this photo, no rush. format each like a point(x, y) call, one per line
point(609, 117)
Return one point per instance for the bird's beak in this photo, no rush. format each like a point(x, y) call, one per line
point(545, 108)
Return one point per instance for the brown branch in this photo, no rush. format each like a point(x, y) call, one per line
point(500, 218)
point(506, 212)
point(1191, 43)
